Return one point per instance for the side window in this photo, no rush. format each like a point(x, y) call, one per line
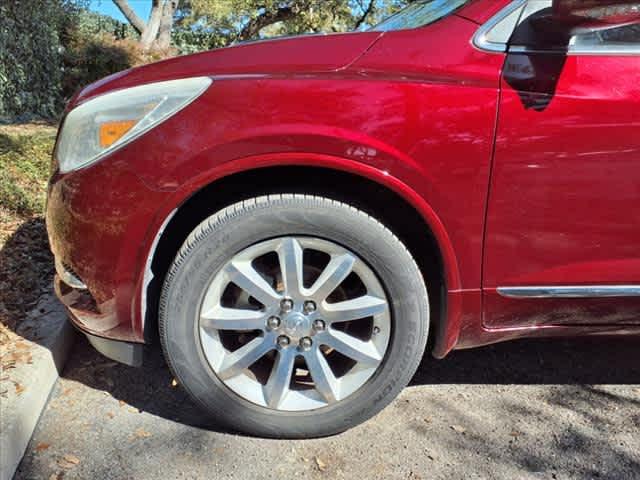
point(621, 39)
point(494, 35)
point(512, 21)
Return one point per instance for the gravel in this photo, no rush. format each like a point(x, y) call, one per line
point(554, 409)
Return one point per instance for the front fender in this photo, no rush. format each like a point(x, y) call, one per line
point(444, 334)
point(429, 143)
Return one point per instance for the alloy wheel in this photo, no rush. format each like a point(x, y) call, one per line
point(294, 323)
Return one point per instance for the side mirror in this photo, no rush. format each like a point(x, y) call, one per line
point(578, 17)
point(554, 26)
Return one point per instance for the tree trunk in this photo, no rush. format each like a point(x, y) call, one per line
point(136, 22)
point(166, 24)
point(364, 16)
point(150, 33)
point(254, 26)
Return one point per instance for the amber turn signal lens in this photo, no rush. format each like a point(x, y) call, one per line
point(111, 132)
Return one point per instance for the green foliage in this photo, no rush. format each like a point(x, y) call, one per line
point(90, 58)
point(26, 266)
point(96, 46)
point(91, 24)
point(193, 39)
point(25, 159)
point(205, 24)
point(51, 48)
point(31, 32)
point(306, 15)
point(233, 19)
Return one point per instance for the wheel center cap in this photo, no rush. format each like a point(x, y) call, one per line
point(296, 325)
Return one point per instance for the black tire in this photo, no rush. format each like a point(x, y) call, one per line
point(239, 226)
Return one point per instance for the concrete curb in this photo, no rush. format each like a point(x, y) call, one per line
point(50, 337)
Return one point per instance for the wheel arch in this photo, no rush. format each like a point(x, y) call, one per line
point(374, 192)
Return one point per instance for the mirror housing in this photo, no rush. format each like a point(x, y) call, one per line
point(585, 16)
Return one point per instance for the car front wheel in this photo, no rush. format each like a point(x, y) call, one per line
point(293, 316)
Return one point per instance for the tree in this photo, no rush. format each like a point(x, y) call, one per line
point(240, 20)
point(199, 24)
point(32, 38)
point(251, 19)
point(155, 33)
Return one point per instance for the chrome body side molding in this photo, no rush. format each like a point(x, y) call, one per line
point(612, 51)
point(577, 291)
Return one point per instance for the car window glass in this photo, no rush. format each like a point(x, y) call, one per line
point(419, 14)
point(629, 35)
point(502, 31)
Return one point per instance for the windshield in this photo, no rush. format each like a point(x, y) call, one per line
point(419, 14)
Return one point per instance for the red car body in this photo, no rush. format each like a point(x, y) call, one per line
point(512, 196)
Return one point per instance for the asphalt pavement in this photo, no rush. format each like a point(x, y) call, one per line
point(552, 409)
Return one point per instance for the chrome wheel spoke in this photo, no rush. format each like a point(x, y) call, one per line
point(220, 318)
point(338, 268)
point(277, 386)
point(323, 378)
point(293, 321)
point(361, 307)
point(358, 350)
point(235, 362)
point(246, 277)
point(290, 257)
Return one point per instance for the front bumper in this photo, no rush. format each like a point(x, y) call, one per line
point(77, 304)
point(98, 222)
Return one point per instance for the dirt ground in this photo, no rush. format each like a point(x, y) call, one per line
point(553, 409)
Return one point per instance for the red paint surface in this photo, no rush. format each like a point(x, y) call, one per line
point(565, 184)
point(479, 11)
point(412, 110)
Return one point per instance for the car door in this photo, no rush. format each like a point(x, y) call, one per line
point(562, 242)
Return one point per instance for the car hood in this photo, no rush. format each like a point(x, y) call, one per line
point(284, 56)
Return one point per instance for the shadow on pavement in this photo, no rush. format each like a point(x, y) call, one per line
point(580, 362)
point(544, 361)
point(26, 274)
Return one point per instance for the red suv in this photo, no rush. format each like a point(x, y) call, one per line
point(297, 220)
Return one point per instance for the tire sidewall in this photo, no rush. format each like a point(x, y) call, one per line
point(232, 230)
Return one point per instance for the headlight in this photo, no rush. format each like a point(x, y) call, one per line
point(108, 122)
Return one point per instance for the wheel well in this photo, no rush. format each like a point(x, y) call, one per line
point(371, 197)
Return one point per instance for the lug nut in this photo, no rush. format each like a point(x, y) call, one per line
point(376, 330)
point(273, 323)
point(286, 305)
point(283, 341)
point(309, 306)
point(319, 325)
point(305, 343)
